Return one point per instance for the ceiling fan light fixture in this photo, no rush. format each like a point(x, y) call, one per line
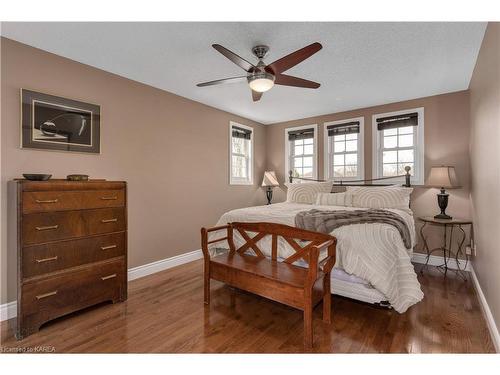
point(261, 82)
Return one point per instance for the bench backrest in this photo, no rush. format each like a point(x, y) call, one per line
point(313, 240)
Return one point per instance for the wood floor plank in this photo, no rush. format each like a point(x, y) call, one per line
point(165, 314)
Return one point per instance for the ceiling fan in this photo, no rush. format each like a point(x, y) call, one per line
point(262, 77)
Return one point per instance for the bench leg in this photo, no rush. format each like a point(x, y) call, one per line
point(327, 299)
point(308, 328)
point(206, 283)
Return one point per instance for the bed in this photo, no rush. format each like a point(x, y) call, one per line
point(373, 259)
point(373, 265)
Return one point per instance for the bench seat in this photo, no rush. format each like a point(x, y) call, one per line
point(264, 267)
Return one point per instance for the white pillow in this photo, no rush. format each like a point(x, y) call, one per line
point(334, 199)
point(381, 197)
point(305, 192)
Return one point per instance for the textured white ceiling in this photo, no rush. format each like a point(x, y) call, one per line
point(360, 65)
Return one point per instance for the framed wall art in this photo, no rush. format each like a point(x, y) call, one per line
point(51, 122)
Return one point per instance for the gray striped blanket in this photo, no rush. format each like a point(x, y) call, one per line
point(327, 221)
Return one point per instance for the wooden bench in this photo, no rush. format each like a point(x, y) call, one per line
point(247, 268)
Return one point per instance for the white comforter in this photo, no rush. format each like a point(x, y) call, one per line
point(374, 252)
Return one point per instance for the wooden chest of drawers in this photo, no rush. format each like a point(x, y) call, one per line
point(72, 248)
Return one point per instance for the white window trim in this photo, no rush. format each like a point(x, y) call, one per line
point(315, 149)
point(237, 181)
point(418, 178)
point(361, 146)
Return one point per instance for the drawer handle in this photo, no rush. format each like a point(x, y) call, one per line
point(45, 259)
point(47, 201)
point(109, 220)
point(50, 227)
point(108, 277)
point(40, 296)
point(109, 198)
point(108, 247)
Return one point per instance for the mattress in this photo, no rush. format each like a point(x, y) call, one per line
point(340, 274)
point(360, 292)
point(352, 286)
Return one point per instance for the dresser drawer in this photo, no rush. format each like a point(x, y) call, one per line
point(43, 201)
point(52, 297)
point(52, 226)
point(55, 256)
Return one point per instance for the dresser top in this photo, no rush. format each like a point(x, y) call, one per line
point(60, 184)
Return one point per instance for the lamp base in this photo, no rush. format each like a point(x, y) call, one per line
point(269, 194)
point(443, 203)
point(443, 217)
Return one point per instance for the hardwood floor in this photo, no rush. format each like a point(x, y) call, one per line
point(165, 314)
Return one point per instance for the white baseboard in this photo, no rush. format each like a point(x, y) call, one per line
point(492, 327)
point(164, 264)
point(9, 310)
point(436, 260)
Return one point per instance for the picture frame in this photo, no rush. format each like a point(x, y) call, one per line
point(50, 122)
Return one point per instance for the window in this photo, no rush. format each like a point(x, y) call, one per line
point(300, 151)
point(344, 149)
point(240, 154)
point(399, 142)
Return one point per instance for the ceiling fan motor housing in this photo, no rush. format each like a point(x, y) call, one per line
point(260, 51)
point(260, 74)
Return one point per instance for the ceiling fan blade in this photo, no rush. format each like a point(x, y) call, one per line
point(285, 80)
point(221, 81)
point(240, 61)
point(289, 61)
point(256, 96)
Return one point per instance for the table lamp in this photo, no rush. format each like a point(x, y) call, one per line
point(269, 181)
point(443, 177)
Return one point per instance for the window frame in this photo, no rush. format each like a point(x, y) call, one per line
point(250, 159)
point(328, 156)
point(419, 148)
point(288, 155)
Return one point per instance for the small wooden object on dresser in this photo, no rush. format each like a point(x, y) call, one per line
point(71, 246)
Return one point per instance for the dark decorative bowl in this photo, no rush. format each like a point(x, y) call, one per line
point(37, 177)
point(77, 177)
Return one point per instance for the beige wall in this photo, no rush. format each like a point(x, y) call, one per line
point(173, 153)
point(485, 162)
point(446, 121)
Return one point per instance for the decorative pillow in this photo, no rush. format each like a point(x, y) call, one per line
point(337, 199)
point(338, 189)
point(306, 192)
point(381, 197)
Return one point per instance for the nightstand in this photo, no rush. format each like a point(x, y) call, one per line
point(449, 226)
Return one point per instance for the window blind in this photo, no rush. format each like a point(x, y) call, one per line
point(301, 134)
point(341, 129)
point(399, 121)
point(241, 133)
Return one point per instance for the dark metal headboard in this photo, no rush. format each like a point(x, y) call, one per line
point(358, 182)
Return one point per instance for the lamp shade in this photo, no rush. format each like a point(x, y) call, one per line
point(270, 179)
point(443, 177)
